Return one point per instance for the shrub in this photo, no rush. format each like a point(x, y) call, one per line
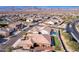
point(71, 42)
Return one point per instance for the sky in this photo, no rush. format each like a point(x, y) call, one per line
point(3, 7)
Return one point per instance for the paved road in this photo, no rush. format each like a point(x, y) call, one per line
point(71, 29)
point(13, 39)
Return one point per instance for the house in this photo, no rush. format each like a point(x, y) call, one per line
point(29, 20)
point(41, 40)
point(4, 33)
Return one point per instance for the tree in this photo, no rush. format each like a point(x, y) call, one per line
point(9, 49)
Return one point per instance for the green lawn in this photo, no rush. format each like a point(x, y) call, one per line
point(57, 42)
